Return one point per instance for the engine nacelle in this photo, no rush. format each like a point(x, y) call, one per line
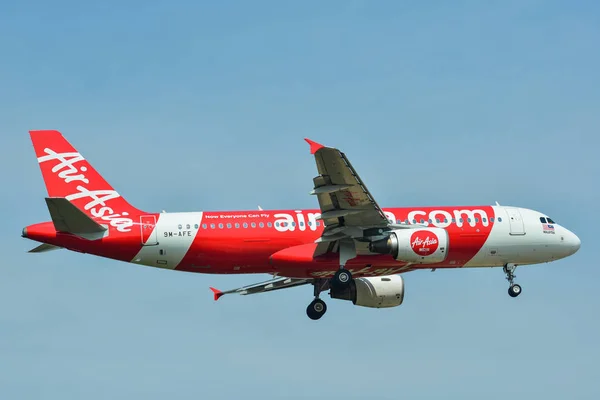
point(418, 246)
point(377, 292)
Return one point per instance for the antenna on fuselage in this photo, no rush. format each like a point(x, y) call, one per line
point(497, 203)
point(260, 208)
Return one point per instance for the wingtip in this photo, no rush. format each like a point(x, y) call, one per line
point(217, 293)
point(314, 146)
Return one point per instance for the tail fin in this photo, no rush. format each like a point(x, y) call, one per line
point(67, 174)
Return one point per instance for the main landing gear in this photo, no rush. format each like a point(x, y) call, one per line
point(340, 280)
point(342, 277)
point(317, 308)
point(514, 289)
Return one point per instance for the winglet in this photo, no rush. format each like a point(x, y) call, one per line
point(314, 146)
point(217, 293)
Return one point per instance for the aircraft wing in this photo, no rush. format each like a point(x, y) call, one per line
point(343, 197)
point(348, 210)
point(267, 286)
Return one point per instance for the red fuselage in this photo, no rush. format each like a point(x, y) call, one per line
point(266, 241)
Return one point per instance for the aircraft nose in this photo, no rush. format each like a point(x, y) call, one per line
point(572, 241)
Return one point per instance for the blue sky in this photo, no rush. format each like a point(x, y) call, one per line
point(196, 105)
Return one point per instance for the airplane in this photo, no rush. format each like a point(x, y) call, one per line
point(349, 245)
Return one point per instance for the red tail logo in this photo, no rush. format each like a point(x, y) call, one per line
point(67, 174)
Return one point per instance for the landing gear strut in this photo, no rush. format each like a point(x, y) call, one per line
point(317, 308)
point(342, 277)
point(514, 289)
point(341, 280)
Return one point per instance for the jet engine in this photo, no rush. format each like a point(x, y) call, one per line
point(377, 292)
point(417, 246)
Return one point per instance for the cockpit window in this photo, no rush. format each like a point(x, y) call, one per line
point(550, 221)
point(543, 220)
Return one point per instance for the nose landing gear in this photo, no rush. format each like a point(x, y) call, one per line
point(514, 289)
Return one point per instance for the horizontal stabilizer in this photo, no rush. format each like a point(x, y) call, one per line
point(267, 286)
point(42, 248)
point(70, 219)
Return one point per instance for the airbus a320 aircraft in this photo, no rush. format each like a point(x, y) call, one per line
point(349, 246)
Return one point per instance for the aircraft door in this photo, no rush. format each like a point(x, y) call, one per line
point(148, 228)
point(517, 227)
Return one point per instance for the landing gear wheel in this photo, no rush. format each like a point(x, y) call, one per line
point(342, 278)
point(316, 309)
point(514, 290)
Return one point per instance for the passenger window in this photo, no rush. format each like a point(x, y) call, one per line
point(492, 219)
point(468, 219)
point(318, 223)
point(499, 219)
point(484, 220)
point(542, 220)
point(195, 226)
point(254, 225)
point(229, 226)
point(220, 226)
point(269, 224)
point(245, 224)
point(406, 221)
point(445, 220)
point(276, 223)
point(414, 221)
point(237, 225)
point(437, 220)
point(398, 221)
point(262, 225)
point(179, 226)
point(301, 223)
point(187, 226)
point(203, 226)
point(453, 220)
point(212, 226)
point(476, 220)
point(429, 220)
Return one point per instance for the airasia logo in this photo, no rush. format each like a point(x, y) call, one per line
point(97, 200)
point(424, 243)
